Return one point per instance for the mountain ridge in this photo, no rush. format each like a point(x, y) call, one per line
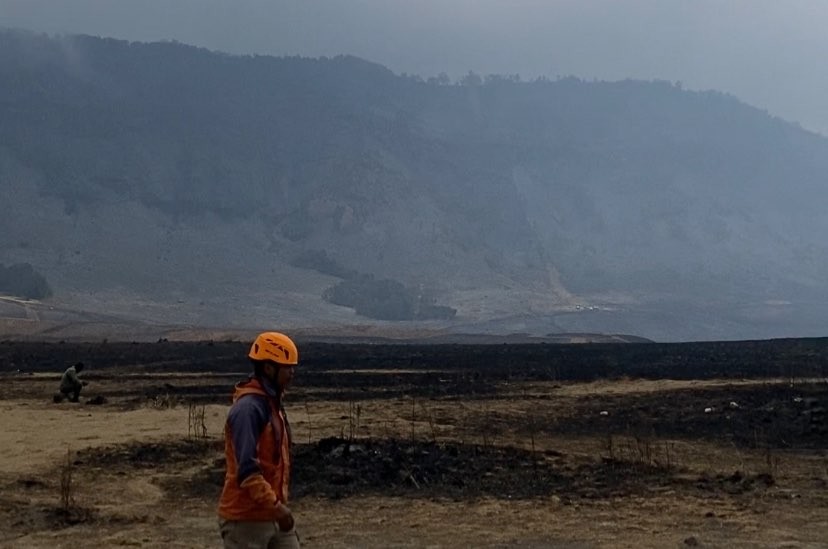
point(163, 172)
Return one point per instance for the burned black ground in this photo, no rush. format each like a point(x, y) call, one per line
point(337, 467)
point(760, 415)
point(463, 363)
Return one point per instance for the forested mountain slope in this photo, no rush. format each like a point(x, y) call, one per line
point(250, 190)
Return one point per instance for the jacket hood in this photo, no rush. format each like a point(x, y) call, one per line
point(255, 386)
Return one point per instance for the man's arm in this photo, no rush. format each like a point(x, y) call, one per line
point(247, 418)
point(72, 376)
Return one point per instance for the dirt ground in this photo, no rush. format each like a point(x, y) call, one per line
point(406, 446)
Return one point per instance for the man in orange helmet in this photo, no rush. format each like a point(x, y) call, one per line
point(253, 508)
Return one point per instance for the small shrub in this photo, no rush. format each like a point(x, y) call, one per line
point(165, 401)
point(67, 490)
point(196, 426)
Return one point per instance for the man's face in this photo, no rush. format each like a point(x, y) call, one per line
point(280, 374)
point(284, 376)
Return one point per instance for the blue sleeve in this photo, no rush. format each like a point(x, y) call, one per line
point(247, 418)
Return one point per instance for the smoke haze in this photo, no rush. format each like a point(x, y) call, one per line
point(767, 53)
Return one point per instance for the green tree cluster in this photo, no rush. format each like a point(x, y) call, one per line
point(22, 280)
point(385, 299)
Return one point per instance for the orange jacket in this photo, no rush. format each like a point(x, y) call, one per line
point(257, 453)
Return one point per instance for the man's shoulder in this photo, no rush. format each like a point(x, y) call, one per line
point(250, 403)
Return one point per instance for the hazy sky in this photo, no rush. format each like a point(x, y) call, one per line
point(769, 53)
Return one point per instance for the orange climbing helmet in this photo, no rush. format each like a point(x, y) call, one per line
point(274, 347)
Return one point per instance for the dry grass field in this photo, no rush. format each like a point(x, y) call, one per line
point(712, 445)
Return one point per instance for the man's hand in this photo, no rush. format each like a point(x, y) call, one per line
point(284, 518)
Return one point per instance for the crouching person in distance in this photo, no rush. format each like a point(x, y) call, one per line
point(70, 384)
point(253, 508)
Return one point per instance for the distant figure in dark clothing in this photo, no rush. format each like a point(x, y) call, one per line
point(71, 384)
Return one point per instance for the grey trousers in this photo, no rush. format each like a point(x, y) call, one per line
point(237, 534)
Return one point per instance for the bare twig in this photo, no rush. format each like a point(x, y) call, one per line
point(67, 490)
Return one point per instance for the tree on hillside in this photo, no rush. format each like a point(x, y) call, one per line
point(23, 281)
